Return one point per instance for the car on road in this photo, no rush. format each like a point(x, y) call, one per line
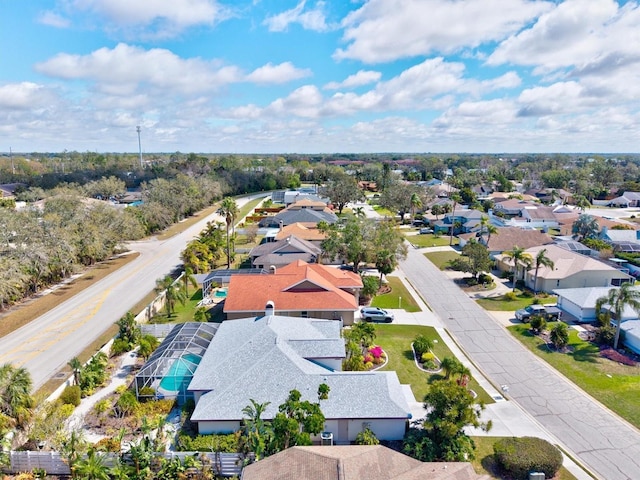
point(375, 314)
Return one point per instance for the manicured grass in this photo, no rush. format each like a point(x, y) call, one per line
point(385, 212)
point(501, 304)
point(430, 240)
point(616, 386)
point(441, 259)
point(182, 313)
point(396, 342)
point(398, 297)
point(484, 464)
point(23, 313)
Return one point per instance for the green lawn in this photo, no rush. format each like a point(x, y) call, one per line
point(484, 464)
point(385, 212)
point(430, 240)
point(441, 259)
point(501, 304)
point(616, 386)
point(182, 313)
point(396, 342)
point(398, 297)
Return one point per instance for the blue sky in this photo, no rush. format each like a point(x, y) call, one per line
point(281, 76)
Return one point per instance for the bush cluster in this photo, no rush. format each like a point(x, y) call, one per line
point(208, 443)
point(615, 356)
point(517, 457)
point(71, 395)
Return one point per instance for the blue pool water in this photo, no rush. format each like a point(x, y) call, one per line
point(179, 375)
point(221, 293)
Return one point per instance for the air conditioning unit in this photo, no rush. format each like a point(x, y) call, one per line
point(536, 476)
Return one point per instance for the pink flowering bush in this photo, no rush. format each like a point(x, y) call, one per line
point(376, 351)
point(368, 358)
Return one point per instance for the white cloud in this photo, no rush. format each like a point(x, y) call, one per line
point(165, 18)
point(302, 102)
point(53, 19)
point(592, 35)
point(123, 69)
point(362, 77)
point(313, 19)
point(274, 74)
point(386, 30)
point(23, 96)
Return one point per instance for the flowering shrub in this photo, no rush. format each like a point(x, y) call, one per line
point(368, 365)
point(376, 351)
point(612, 354)
point(368, 358)
point(378, 361)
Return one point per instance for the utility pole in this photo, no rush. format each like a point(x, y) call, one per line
point(13, 167)
point(139, 146)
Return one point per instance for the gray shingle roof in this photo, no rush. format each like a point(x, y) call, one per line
point(255, 358)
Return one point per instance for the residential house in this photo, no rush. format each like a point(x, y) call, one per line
point(304, 231)
point(283, 252)
point(222, 277)
point(566, 221)
point(512, 207)
point(263, 358)
point(300, 289)
point(626, 200)
point(506, 237)
point(353, 462)
point(581, 303)
point(499, 197)
point(462, 221)
point(305, 211)
point(295, 196)
point(571, 270)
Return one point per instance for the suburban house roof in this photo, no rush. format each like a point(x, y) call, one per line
point(566, 262)
point(513, 206)
point(588, 296)
point(299, 286)
point(266, 357)
point(307, 202)
point(539, 213)
point(507, 237)
point(620, 235)
point(304, 215)
point(626, 198)
point(301, 230)
point(499, 197)
point(283, 252)
point(566, 221)
point(352, 462)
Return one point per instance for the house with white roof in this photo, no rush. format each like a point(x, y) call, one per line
point(263, 358)
point(570, 270)
point(626, 200)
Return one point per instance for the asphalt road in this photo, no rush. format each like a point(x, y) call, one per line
point(48, 342)
point(601, 440)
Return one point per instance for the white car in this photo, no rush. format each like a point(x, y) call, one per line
point(375, 314)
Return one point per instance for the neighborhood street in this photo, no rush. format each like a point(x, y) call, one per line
point(48, 342)
point(605, 443)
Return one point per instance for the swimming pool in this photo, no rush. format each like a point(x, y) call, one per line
point(221, 293)
point(180, 374)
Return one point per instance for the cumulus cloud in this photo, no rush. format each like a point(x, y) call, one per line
point(23, 96)
point(386, 30)
point(274, 74)
point(163, 18)
point(358, 79)
point(123, 68)
point(53, 19)
point(312, 19)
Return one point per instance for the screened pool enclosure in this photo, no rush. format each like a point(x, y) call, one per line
point(170, 368)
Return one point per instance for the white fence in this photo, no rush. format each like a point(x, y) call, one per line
point(224, 464)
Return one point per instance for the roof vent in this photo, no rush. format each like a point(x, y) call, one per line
point(272, 269)
point(270, 308)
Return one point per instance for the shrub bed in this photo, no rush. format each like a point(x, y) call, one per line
point(612, 354)
point(208, 443)
point(517, 457)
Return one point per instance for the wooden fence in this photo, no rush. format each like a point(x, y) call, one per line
point(224, 464)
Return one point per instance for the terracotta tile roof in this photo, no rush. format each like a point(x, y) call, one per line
point(507, 237)
point(352, 462)
point(296, 287)
point(307, 203)
point(566, 221)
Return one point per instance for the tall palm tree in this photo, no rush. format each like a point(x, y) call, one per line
point(618, 299)
point(456, 199)
point(541, 260)
point(228, 209)
point(416, 203)
point(359, 212)
point(172, 294)
point(519, 257)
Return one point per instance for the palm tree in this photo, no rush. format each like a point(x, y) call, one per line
point(172, 294)
point(228, 209)
point(519, 257)
point(76, 367)
point(559, 335)
point(450, 365)
point(359, 212)
point(188, 278)
point(416, 203)
point(541, 260)
point(255, 432)
point(15, 394)
point(456, 199)
point(91, 467)
point(618, 299)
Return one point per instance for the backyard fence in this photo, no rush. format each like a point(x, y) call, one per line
point(224, 464)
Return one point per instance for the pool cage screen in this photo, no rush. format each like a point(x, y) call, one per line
point(170, 368)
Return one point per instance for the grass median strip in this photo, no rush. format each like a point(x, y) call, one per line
point(398, 297)
point(615, 385)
